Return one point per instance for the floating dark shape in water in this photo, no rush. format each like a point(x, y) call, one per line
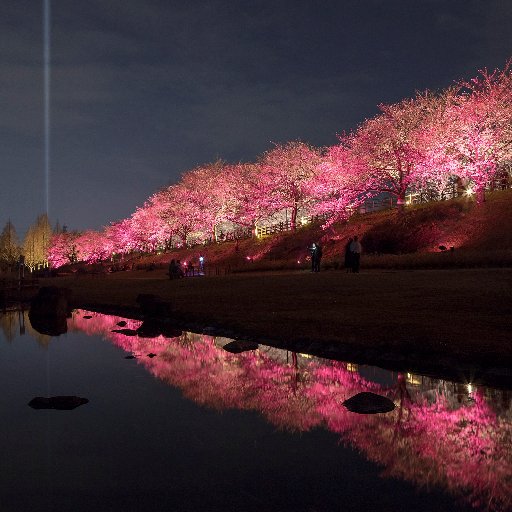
point(149, 329)
point(87, 317)
point(236, 347)
point(152, 328)
point(171, 332)
point(126, 332)
point(122, 323)
point(369, 403)
point(151, 355)
point(61, 403)
point(49, 310)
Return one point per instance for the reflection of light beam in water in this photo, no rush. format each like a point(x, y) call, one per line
point(46, 65)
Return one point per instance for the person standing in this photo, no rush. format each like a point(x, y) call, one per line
point(355, 254)
point(172, 270)
point(313, 252)
point(318, 257)
point(348, 255)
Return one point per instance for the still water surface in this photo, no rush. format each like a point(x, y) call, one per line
point(198, 428)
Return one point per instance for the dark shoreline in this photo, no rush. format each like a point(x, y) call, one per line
point(440, 366)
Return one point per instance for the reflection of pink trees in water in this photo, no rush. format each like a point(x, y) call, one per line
point(102, 325)
point(430, 439)
point(465, 449)
point(472, 443)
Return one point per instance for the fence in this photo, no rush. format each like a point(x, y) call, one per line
point(232, 236)
point(452, 191)
point(272, 229)
point(375, 205)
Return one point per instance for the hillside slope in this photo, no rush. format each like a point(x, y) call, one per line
point(481, 235)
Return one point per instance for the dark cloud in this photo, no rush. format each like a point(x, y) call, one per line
point(142, 91)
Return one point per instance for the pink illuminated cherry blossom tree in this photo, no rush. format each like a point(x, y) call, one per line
point(204, 188)
point(180, 215)
point(120, 236)
point(244, 194)
point(62, 249)
point(480, 119)
point(337, 188)
point(92, 247)
point(147, 230)
point(289, 169)
point(391, 152)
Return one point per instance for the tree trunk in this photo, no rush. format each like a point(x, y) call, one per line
point(400, 203)
point(293, 219)
point(480, 194)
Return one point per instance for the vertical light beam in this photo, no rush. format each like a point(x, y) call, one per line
point(46, 68)
point(46, 92)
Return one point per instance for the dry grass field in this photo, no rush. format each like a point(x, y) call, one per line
point(440, 315)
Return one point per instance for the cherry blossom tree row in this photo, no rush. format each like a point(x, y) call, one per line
point(419, 145)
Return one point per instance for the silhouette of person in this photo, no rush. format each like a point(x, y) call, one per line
point(179, 270)
point(355, 250)
point(173, 270)
point(313, 252)
point(348, 255)
point(318, 257)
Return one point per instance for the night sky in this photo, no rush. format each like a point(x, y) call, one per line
point(142, 90)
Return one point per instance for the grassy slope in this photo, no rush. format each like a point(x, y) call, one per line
point(480, 235)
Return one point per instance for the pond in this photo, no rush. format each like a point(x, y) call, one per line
point(179, 423)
